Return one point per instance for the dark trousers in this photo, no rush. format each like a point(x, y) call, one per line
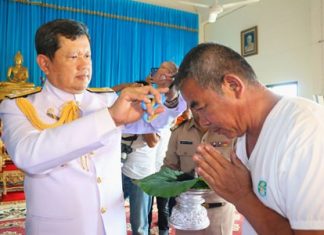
point(164, 206)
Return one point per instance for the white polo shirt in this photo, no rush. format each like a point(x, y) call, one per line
point(287, 163)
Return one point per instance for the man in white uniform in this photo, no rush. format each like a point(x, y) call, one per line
point(70, 151)
point(275, 177)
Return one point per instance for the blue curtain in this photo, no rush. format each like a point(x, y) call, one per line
point(127, 38)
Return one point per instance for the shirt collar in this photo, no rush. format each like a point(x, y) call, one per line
point(62, 95)
point(192, 123)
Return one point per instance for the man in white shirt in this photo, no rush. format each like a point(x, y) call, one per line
point(141, 161)
point(275, 177)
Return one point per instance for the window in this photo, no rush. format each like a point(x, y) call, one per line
point(287, 88)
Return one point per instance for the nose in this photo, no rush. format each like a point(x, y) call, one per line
point(84, 62)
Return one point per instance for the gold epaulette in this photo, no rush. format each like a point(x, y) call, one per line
point(174, 127)
point(23, 92)
point(100, 89)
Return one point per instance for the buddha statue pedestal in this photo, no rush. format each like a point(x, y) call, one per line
point(8, 89)
point(17, 82)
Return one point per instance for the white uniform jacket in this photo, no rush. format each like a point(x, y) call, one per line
point(73, 172)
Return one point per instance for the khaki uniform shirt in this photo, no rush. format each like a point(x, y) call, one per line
point(184, 141)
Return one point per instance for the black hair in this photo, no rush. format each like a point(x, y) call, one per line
point(47, 35)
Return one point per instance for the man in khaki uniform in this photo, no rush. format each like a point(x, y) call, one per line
point(182, 145)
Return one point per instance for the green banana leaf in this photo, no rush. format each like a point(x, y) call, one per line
point(169, 183)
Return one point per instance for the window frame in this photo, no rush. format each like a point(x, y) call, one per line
point(270, 86)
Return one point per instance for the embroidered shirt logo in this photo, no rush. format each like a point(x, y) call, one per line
point(262, 188)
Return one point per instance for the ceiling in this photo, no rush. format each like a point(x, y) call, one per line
point(177, 4)
point(198, 6)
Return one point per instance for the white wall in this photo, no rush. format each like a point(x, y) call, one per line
point(289, 32)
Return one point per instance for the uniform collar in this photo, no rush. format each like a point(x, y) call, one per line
point(62, 95)
point(193, 124)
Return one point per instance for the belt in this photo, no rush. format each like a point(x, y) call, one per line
point(130, 138)
point(213, 205)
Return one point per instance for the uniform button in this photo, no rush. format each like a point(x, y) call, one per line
point(99, 180)
point(91, 154)
point(103, 210)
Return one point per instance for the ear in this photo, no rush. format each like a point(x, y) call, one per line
point(43, 62)
point(233, 85)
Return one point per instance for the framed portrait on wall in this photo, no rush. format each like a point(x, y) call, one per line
point(249, 41)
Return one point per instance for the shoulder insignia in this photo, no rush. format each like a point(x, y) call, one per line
point(100, 89)
point(23, 92)
point(176, 126)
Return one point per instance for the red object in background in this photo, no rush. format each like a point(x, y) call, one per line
point(9, 167)
point(13, 196)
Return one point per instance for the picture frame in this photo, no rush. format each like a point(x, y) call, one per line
point(249, 41)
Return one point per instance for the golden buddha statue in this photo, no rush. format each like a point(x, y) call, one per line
point(17, 77)
point(18, 73)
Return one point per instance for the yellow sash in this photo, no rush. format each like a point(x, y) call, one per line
point(69, 112)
